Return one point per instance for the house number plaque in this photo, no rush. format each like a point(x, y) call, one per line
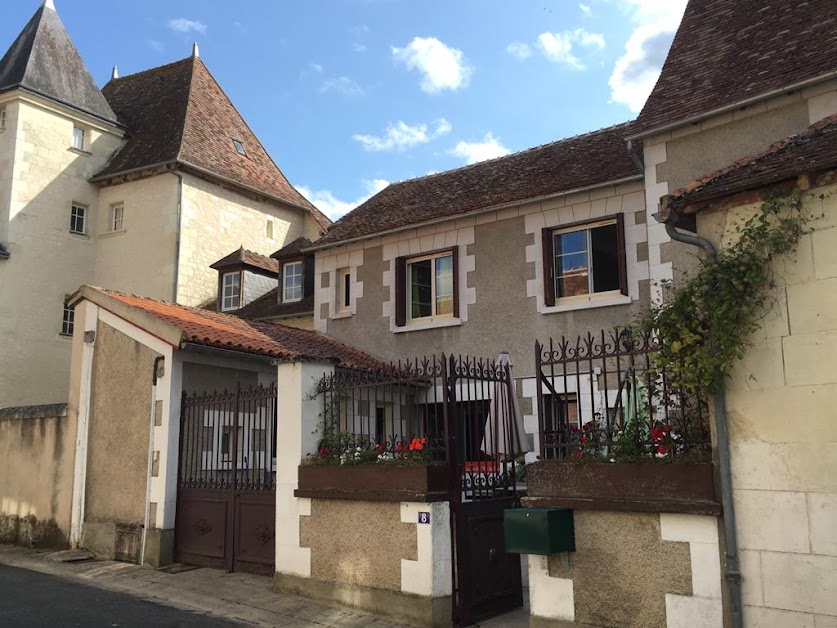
point(424, 517)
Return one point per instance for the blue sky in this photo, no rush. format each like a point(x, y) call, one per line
point(348, 95)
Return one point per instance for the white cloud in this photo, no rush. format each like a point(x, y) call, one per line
point(359, 47)
point(155, 45)
point(558, 47)
point(316, 67)
point(401, 136)
point(585, 9)
point(342, 85)
point(182, 25)
point(472, 152)
point(638, 69)
point(333, 207)
point(519, 50)
point(443, 67)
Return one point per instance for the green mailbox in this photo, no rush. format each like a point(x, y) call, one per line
point(541, 531)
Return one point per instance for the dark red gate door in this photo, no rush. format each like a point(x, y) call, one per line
point(226, 500)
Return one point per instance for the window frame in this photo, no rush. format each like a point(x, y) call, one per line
point(269, 229)
point(113, 220)
point(285, 276)
point(548, 251)
point(74, 218)
point(403, 316)
point(2, 118)
point(235, 299)
point(343, 292)
point(68, 319)
point(239, 147)
point(79, 133)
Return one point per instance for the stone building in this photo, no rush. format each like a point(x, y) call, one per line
point(139, 187)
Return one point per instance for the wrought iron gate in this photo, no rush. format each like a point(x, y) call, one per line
point(226, 490)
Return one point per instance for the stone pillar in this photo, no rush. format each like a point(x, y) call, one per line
point(298, 425)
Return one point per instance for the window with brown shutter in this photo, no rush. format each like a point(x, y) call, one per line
point(427, 287)
point(584, 259)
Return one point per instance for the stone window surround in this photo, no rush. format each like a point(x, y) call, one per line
point(325, 291)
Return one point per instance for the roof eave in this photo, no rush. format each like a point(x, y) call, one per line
point(476, 212)
point(114, 122)
point(733, 106)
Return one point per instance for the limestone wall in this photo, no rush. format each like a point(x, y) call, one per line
point(781, 402)
point(217, 220)
point(47, 262)
point(36, 475)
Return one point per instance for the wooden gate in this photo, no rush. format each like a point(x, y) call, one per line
point(226, 495)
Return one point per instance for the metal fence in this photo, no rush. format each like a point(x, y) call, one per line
point(438, 409)
point(228, 439)
point(603, 397)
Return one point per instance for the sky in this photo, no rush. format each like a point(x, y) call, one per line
point(350, 95)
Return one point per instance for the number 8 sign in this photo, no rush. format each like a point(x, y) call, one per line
point(424, 517)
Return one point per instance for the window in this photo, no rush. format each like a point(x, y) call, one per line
point(230, 291)
point(117, 217)
point(67, 319)
point(239, 147)
point(426, 287)
point(78, 219)
point(78, 138)
point(344, 289)
point(292, 282)
point(3, 118)
point(584, 260)
point(268, 229)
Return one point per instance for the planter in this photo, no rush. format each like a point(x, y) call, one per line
point(640, 487)
point(375, 482)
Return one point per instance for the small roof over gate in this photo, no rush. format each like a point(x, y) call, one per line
point(179, 324)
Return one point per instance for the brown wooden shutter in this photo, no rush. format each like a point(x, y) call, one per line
point(400, 291)
point(620, 253)
point(308, 276)
point(455, 253)
point(548, 267)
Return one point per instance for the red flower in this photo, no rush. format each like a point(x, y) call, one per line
point(662, 450)
point(399, 447)
point(578, 454)
point(583, 439)
point(324, 451)
point(379, 448)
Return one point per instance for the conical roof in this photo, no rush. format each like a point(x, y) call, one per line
point(44, 61)
point(178, 113)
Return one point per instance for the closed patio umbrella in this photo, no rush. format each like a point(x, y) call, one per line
point(504, 433)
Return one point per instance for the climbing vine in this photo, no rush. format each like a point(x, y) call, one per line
point(706, 322)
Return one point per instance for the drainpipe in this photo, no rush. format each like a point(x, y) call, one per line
point(147, 522)
point(733, 572)
point(177, 236)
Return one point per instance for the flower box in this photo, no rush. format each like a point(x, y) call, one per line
point(375, 482)
point(641, 487)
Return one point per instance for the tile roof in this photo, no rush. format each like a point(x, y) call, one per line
point(178, 113)
point(568, 164)
point(44, 60)
point(267, 306)
point(224, 331)
point(727, 51)
point(813, 150)
point(243, 257)
point(292, 249)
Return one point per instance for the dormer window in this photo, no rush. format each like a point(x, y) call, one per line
point(239, 147)
point(292, 282)
point(78, 138)
point(231, 291)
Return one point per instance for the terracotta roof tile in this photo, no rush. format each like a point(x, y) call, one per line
point(575, 162)
point(178, 113)
point(267, 306)
point(224, 331)
point(243, 257)
point(813, 150)
point(727, 51)
point(292, 249)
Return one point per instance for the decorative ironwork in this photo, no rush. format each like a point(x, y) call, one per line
point(263, 533)
point(203, 527)
point(601, 396)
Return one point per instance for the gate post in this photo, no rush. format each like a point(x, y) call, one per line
point(298, 423)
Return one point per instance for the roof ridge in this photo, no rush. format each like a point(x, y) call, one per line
point(147, 71)
point(514, 154)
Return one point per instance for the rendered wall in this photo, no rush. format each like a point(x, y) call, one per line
point(41, 177)
point(36, 475)
point(216, 221)
point(781, 401)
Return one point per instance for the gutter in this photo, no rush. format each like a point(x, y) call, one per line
point(227, 353)
point(478, 212)
point(733, 570)
point(741, 104)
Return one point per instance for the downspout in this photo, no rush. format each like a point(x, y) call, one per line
point(147, 521)
point(177, 236)
point(733, 571)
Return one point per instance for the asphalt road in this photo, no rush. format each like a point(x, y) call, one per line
point(29, 598)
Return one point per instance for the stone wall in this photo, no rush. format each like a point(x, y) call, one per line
point(781, 399)
point(36, 475)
